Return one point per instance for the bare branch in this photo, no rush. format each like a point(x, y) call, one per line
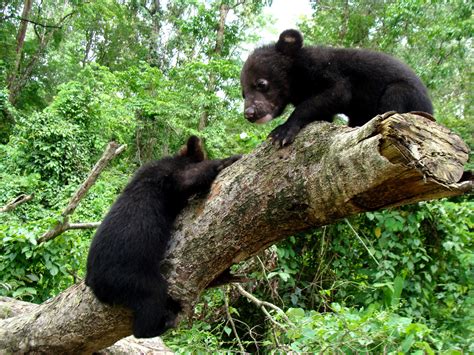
point(31, 21)
point(112, 150)
point(15, 202)
point(329, 173)
point(262, 305)
point(84, 225)
point(132, 345)
point(231, 321)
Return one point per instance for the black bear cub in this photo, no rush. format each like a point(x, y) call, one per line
point(123, 265)
point(322, 82)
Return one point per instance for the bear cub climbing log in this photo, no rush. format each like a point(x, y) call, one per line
point(322, 82)
point(123, 265)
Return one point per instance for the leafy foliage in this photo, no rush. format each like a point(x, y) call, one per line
point(415, 259)
point(350, 330)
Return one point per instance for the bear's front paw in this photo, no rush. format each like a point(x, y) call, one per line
point(228, 161)
point(283, 135)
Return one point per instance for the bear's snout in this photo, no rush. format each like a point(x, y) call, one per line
point(249, 113)
point(259, 111)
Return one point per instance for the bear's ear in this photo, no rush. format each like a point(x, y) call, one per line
point(193, 149)
point(290, 42)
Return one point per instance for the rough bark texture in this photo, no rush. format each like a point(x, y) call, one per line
point(72, 322)
point(328, 173)
point(10, 307)
point(20, 41)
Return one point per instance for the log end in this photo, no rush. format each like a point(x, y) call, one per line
point(436, 152)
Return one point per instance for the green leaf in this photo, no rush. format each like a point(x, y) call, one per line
point(397, 290)
point(295, 313)
point(407, 343)
point(33, 277)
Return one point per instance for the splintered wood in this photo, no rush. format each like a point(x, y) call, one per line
point(435, 151)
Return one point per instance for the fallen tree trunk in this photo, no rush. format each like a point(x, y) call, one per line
point(328, 173)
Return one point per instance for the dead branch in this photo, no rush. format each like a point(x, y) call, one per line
point(111, 151)
point(263, 306)
point(15, 202)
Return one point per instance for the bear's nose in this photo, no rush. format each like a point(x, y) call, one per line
point(249, 112)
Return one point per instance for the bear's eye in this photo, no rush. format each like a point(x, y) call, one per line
point(262, 85)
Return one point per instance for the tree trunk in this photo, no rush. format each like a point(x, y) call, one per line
point(20, 41)
point(22, 73)
point(156, 14)
point(328, 173)
point(223, 12)
point(211, 86)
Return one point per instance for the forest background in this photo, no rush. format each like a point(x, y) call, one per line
point(75, 75)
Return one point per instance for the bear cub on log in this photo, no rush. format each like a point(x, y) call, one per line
point(123, 265)
point(322, 82)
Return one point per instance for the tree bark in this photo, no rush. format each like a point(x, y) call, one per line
point(20, 41)
point(23, 72)
point(15, 202)
point(328, 173)
point(155, 43)
point(10, 307)
point(211, 85)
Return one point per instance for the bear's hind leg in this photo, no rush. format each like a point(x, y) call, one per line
point(153, 316)
point(402, 98)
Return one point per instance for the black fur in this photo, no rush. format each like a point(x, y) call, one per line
point(322, 81)
point(123, 266)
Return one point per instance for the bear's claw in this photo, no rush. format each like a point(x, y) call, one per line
point(283, 135)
